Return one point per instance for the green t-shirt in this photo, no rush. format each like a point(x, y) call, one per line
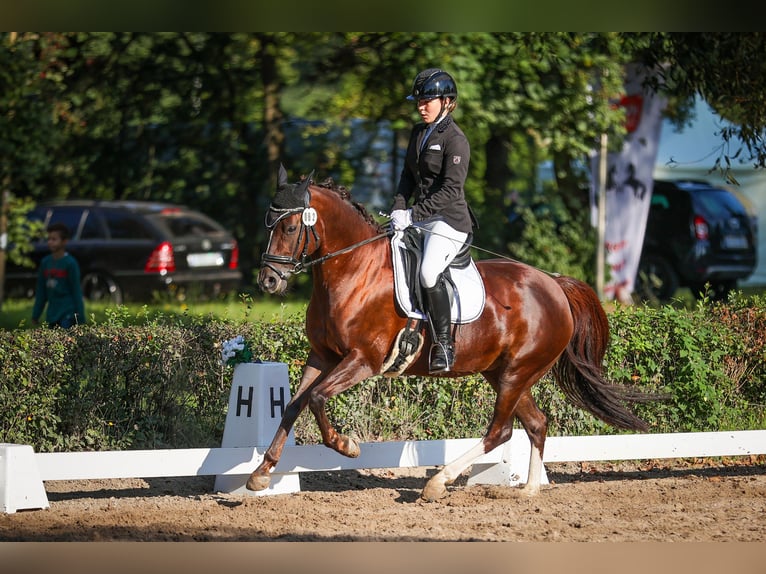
point(58, 286)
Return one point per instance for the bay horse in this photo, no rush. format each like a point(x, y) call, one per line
point(532, 323)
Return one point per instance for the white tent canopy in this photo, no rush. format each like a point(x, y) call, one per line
point(691, 154)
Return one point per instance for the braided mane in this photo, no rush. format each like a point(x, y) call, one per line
point(345, 194)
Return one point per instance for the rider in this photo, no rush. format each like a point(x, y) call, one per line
point(433, 176)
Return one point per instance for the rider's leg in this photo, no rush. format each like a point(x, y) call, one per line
point(443, 350)
point(440, 246)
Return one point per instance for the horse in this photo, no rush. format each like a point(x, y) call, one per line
point(533, 322)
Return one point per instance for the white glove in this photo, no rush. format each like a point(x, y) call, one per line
point(401, 218)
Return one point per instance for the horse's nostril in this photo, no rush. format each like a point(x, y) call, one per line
point(268, 283)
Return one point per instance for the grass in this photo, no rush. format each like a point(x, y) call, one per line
point(17, 313)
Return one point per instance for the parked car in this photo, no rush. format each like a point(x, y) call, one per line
point(130, 250)
point(696, 233)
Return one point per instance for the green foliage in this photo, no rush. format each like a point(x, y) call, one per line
point(708, 360)
point(694, 63)
point(200, 118)
point(552, 238)
point(21, 231)
point(29, 411)
point(156, 381)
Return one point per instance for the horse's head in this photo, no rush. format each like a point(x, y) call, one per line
point(290, 221)
point(309, 225)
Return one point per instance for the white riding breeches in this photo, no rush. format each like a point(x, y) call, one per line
point(441, 243)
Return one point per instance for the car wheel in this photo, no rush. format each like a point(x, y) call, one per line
point(656, 279)
point(97, 286)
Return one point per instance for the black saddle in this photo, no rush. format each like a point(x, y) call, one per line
point(413, 258)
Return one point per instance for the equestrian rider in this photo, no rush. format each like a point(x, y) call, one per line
point(433, 177)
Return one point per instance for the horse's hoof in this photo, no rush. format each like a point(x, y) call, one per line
point(529, 491)
point(258, 482)
point(349, 447)
point(433, 491)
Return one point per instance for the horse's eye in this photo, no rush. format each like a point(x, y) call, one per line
point(292, 228)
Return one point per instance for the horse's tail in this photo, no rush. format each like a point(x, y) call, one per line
point(578, 371)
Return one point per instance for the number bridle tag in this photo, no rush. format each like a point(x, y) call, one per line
point(309, 217)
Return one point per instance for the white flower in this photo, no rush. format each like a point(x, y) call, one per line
point(235, 351)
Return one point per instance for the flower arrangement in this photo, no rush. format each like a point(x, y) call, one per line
point(235, 351)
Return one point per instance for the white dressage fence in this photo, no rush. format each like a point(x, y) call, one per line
point(258, 396)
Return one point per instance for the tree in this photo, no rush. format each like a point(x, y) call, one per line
point(28, 119)
point(201, 118)
point(522, 98)
point(178, 117)
point(728, 70)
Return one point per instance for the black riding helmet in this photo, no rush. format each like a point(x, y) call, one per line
point(433, 83)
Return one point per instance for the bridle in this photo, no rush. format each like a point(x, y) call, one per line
point(300, 260)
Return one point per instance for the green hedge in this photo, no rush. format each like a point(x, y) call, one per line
point(118, 385)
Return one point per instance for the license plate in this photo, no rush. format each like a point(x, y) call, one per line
point(734, 242)
point(204, 259)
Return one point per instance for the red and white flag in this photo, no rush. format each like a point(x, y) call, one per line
point(629, 186)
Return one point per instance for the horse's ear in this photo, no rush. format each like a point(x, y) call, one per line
point(282, 178)
point(304, 188)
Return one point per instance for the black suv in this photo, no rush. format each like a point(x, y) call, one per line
point(695, 234)
point(129, 250)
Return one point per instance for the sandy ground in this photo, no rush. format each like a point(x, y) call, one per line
point(664, 501)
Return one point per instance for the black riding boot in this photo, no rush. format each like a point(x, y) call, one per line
point(442, 351)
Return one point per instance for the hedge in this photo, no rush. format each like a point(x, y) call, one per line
point(162, 384)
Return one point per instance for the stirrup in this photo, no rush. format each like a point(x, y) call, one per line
point(408, 343)
point(442, 358)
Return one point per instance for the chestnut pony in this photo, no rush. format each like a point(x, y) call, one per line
point(532, 323)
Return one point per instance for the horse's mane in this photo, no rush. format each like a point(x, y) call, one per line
point(345, 194)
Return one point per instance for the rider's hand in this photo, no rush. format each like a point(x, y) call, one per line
point(401, 218)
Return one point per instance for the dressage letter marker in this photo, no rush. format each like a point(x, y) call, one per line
point(241, 402)
point(258, 398)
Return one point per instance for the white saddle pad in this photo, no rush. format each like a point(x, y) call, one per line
point(468, 302)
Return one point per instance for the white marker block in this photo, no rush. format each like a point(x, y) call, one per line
point(20, 484)
point(257, 400)
point(513, 467)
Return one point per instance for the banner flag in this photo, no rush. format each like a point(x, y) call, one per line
point(628, 186)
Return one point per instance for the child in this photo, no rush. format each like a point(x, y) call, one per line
point(58, 283)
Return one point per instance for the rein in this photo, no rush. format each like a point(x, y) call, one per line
point(308, 220)
point(344, 250)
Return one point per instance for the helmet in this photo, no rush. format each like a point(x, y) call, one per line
point(433, 83)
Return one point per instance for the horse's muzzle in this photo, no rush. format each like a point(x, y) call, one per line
point(270, 282)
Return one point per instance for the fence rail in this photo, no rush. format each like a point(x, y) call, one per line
point(22, 472)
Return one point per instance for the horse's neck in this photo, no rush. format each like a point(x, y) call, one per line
point(339, 277)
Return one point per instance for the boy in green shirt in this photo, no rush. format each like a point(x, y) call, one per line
point(58, 283)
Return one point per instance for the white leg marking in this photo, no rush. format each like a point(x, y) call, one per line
point(535, 471)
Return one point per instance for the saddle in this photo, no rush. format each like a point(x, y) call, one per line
point(464, 284)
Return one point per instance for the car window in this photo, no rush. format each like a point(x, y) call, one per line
point(720, 202)
point(69, 216)
point(189, 225)
point(91, 227)
point(126, 225)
